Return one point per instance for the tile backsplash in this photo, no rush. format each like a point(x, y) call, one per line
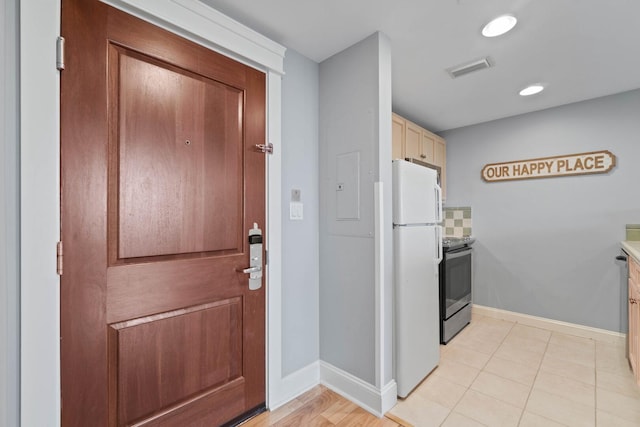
point(457, 221)
point(633, 232)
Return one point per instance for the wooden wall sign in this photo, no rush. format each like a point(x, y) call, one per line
point(547, 167)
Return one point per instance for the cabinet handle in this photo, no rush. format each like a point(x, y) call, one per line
point(633, 301)
point(423, 156)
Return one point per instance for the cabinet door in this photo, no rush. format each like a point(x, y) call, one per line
point(634, 318)
point(398, 128)
point(634, 325)
point(413, 141)
point(428, 146)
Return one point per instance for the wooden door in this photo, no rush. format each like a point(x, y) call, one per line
point(160, 183)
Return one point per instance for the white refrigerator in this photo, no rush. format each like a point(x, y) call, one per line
point(417, 238)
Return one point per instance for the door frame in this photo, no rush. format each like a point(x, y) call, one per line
point(40, 184)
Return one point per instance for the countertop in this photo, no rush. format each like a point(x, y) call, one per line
point(632, 248)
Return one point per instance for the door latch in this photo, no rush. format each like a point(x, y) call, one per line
point(265, 148)
point(255, 258)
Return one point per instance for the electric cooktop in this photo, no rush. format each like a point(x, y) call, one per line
point(454, 242)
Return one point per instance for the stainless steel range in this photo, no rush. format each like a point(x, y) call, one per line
point(455, 286)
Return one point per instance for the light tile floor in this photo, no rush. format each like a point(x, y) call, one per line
point(501, 373)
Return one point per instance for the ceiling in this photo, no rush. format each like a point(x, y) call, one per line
point(580, 49)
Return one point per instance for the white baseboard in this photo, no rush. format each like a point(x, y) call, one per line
point(368, 397)
point(389, 397)
point(295, 384)
point(552, 325)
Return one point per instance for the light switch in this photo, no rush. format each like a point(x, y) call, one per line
point(295, 211)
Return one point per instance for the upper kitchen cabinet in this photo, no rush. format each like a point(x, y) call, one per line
point(440, 159)
point(398, 129)
point(428, 147)
point(412, 141)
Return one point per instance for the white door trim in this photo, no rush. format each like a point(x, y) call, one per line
point(39, 214)
point(39, 180)
point(201, 24)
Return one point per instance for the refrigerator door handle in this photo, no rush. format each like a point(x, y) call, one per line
point(438, 191)
point(439, 244)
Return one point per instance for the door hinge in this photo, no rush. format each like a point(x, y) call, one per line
point(265, 148)
point(60, 53)
point(59, 258)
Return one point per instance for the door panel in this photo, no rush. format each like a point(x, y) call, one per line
point(160, 183)
point(164, 359)
point(177, 134)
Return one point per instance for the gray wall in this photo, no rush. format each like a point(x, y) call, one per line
point(546, 247)
point(351, 91)
point(300, 241)
point(9, 217)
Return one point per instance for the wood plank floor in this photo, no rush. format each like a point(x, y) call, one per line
point(320, 407)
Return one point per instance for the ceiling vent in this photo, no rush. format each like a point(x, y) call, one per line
point(470, 67)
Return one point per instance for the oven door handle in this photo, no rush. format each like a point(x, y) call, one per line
point(454, 255)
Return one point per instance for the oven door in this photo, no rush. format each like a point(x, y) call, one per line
point(457, 280)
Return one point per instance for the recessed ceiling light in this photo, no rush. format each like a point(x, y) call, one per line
point(531, 90)
point(500, 25)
